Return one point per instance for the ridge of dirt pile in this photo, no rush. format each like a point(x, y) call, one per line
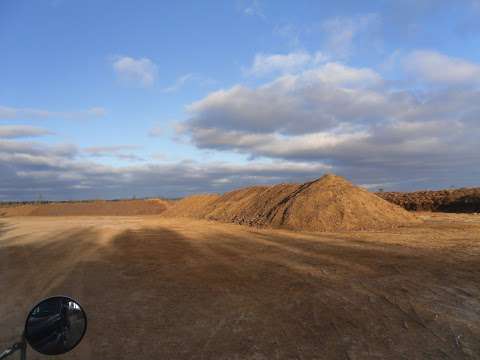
point(330, 203)
point(100, 208)
point(458, 200)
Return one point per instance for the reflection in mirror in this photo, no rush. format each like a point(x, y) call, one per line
point(55, 325)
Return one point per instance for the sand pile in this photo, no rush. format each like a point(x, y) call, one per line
point(330, 203)
point(100, 208)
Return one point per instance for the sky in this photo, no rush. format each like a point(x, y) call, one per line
point(105, 99)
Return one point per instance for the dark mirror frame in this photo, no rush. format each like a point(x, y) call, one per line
point(44, 300)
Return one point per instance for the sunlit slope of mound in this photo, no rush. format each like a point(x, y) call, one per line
point(195, 206)
point(100, 208)
point(250, 205)
point(330, 203)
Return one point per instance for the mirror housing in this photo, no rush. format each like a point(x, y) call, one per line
point(55, 325)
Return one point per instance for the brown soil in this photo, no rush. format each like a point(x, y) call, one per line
point(330, 203)
point(101, 208)
point(164, 288)
point(458, 201)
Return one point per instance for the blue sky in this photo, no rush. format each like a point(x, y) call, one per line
point(149, 98)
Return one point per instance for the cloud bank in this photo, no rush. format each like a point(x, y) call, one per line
point(31, 169)
point(309, 117)
point(353, 119)
point(21, 131)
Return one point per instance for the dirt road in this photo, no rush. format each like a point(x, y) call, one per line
point(182, 289)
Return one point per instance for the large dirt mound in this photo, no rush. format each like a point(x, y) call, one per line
point(330, 203)
point(458, 200)
point(101, 208)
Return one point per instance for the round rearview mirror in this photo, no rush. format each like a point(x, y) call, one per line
point(55, 325)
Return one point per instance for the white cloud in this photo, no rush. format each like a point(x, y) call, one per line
point(11, 113)
point(121, 152)
point(142, 72)
point(436, 68)
point(341, 32)
point(100, 150)
point(179, 83)
point(312, 100)
point(339, 74)
point(184, 79)
point(284, 63)
point(274, 145)
point(21, 131)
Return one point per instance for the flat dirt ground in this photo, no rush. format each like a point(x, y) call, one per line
point(157, 288)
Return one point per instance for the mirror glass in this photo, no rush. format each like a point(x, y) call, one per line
point(55, 325)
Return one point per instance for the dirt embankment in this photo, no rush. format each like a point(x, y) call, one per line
point(330, 203)
point(458, 201)
point(100, 208)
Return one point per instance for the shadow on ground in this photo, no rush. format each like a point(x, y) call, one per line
point(156, 293)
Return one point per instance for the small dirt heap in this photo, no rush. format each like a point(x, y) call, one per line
point(330, 203)
point(89, 208)
point(456, 201)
